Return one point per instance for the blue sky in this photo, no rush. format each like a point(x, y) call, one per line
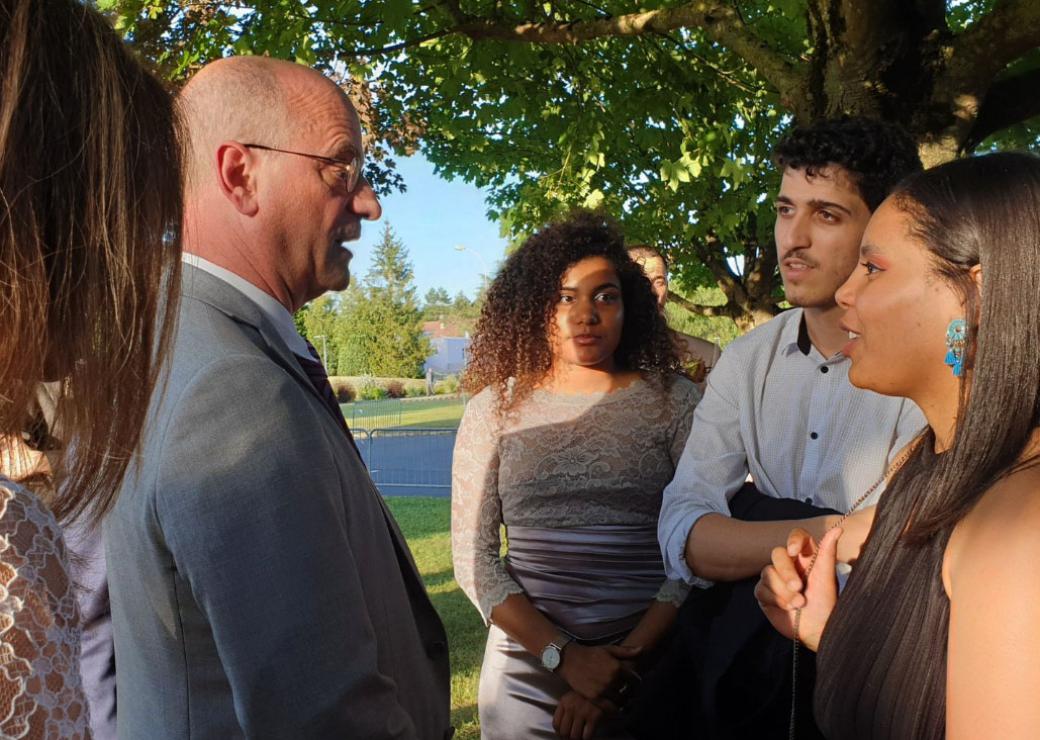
point(431, 218)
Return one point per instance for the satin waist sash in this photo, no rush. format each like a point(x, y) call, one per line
point(593, 582)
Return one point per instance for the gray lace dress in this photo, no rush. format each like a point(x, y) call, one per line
point(577, 482)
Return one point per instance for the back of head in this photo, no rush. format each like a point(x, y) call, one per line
point(89, 236)
point(984, 211)
point(876, 154)
point(239, 98)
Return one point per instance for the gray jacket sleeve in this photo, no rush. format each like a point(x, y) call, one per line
point(250, 500)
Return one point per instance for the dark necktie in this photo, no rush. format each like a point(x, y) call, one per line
point(320, 380)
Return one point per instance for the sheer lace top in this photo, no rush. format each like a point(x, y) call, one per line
point(562, 461)
point(40, 691)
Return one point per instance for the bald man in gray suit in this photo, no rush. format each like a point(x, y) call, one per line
point(260, 588)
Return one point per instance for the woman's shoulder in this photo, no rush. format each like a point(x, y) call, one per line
point(1001, 529)
point(678, 389)
point(20, 507)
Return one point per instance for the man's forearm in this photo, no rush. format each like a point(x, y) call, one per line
point(719, 548)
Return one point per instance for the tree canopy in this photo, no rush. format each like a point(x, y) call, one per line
point(663, 112)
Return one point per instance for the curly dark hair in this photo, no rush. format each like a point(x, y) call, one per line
point(875, 153)
point(512, 335)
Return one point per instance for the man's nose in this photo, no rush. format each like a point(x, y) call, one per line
point(793, 233)
point(364, 202)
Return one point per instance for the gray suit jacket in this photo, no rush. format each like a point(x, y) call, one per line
point(260, 588)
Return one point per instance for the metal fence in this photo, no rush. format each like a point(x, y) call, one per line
point(391, 412)
point(408, 461)
point(375, 414)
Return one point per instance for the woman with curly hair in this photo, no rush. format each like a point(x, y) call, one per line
point(579, 418)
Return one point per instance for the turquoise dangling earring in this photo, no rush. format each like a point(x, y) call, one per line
point(956, 334)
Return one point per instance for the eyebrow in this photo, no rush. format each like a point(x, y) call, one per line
point(345, 153)
point(867, 249)
point(574, 288)
point(816, 204)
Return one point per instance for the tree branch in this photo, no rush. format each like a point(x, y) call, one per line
point(999, 37)
point(729, 310)
point(718, 19)
point(1009, 101)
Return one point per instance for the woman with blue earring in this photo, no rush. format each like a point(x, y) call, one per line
point(935, 632)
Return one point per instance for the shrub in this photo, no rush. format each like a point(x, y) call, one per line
point(344, 391)
point(448, 386)
point(369, 390)
point(414, 391)
point(395, 389)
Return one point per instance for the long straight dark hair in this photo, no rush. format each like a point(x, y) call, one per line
point(881, 667)
point(982, 211)
point(90, 209)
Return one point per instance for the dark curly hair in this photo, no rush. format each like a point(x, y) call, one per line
point(512, 335)
point(876, 154)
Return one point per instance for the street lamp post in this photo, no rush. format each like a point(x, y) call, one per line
point(480, 258)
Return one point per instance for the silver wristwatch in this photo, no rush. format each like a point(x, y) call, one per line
point(552, 654)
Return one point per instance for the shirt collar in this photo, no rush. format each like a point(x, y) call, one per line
point(803, 342)
point(275, 312)
point(795, 338)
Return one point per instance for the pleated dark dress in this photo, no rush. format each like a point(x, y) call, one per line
point(881, 665)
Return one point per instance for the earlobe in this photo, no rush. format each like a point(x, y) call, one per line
point(236, 176)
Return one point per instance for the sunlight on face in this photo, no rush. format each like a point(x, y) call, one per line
point(653, 268)
point(898, 309)
point(589, 315)
point(819, 223)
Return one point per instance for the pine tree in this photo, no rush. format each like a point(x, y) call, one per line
point(380, 330)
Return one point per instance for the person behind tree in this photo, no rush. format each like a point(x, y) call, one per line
point(698, 355)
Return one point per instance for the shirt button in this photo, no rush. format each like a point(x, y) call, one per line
point(813, 435)
point(824, 369)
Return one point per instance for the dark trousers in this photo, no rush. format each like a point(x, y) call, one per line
point(727, 672)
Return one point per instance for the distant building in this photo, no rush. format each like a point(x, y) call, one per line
point(449, 345)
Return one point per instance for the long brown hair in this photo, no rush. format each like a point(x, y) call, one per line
point(981, 211)
point(511, 342)
point(90, 210)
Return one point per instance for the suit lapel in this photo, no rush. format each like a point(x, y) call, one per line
point(214, 292)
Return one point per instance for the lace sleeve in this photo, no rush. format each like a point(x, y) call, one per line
point(476, 510)
point(40, 691)
point(685, 397)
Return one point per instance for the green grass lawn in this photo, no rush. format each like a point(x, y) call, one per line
point(426, 523)
point(433, 412)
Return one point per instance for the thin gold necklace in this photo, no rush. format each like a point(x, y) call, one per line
point(890, 472)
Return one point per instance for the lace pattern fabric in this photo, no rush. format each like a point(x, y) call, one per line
point(562, 461)
point(40, 686)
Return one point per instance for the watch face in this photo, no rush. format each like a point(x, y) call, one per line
point(551, 657)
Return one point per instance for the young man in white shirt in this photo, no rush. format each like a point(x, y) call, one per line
point(780, 410)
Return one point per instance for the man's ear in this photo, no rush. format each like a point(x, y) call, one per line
point(236, 175)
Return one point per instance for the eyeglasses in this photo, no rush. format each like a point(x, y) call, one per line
point(347, 172)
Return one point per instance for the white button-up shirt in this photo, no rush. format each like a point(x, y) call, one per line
point(777, 409)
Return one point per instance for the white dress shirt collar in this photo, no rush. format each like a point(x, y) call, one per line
point(275, 312)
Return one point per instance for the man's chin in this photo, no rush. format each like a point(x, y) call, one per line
point(810, 298)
